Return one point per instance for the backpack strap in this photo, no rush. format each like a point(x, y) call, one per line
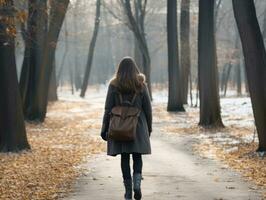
point(121, 98)
point(134, 98)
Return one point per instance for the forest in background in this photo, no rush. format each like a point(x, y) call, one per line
point(115, 36)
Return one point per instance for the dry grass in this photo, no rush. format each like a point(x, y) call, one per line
point(58, 146)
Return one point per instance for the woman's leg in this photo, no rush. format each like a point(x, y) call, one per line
point(137, 166)
point(125, 166)
point(126, 175)
point(137, 163)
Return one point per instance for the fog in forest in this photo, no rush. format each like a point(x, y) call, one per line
point(115, 40)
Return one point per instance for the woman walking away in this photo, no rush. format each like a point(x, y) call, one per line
point(127, 122)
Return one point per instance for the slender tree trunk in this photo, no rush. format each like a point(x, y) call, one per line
point(217, 6)
point(77, 73)
point(227, 78)
point(137, 51)
point(223, 77)
point(255, 62)
point(175, 102)
point(64, 57)
point(12, 128)
point(191, 89)
point(210, 114)
point(91, 49)
point(197, 95)
point(52, 93)
point(238, 66)
point(238, 79)
point(71, 76)
point(138, 55)
point(185, 47)
point(107, 22)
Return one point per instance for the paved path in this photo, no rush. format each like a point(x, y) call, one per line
point(171, 172)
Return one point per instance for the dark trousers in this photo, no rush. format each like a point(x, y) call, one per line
point(125, 164)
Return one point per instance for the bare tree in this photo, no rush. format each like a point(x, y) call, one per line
point(255, 62)
point(91, 49)
point(185, 47)
point(210, 114)
point(77, 72)
point(137, 27)
point(12, 128)
point(34, 49)
point(175, 102)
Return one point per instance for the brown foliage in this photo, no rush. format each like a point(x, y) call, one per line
point(58, 146)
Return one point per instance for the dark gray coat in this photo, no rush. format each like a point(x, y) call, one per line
point(144, 128)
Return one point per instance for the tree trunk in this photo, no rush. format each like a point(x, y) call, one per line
point(12, 127)
point(238, 79)
point(197, 95)
point(223, 77)
point(229, 67)
point(77, 76)
point(238, 66)
point(139, 33)
point(185, 47)
point(40, 99)
point(175, 102)
point(71, 78)
point(111, 60)
point(77, 73)
point(138, 55)
point(91, 49)
point(52, 93)
point(35, 41)
point(255, 62)
point(210, 114)
point(137, 51)
point(191, 89)
point(64, 57)
point(216, 12)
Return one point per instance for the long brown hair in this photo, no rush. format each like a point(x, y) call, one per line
point(128, 76)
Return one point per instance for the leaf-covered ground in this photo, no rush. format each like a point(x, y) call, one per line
point(58, 147)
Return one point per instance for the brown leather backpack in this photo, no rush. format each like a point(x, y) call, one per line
point(124, 120)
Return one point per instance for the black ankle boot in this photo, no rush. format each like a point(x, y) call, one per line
point(136, 187)
point(128, 189)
